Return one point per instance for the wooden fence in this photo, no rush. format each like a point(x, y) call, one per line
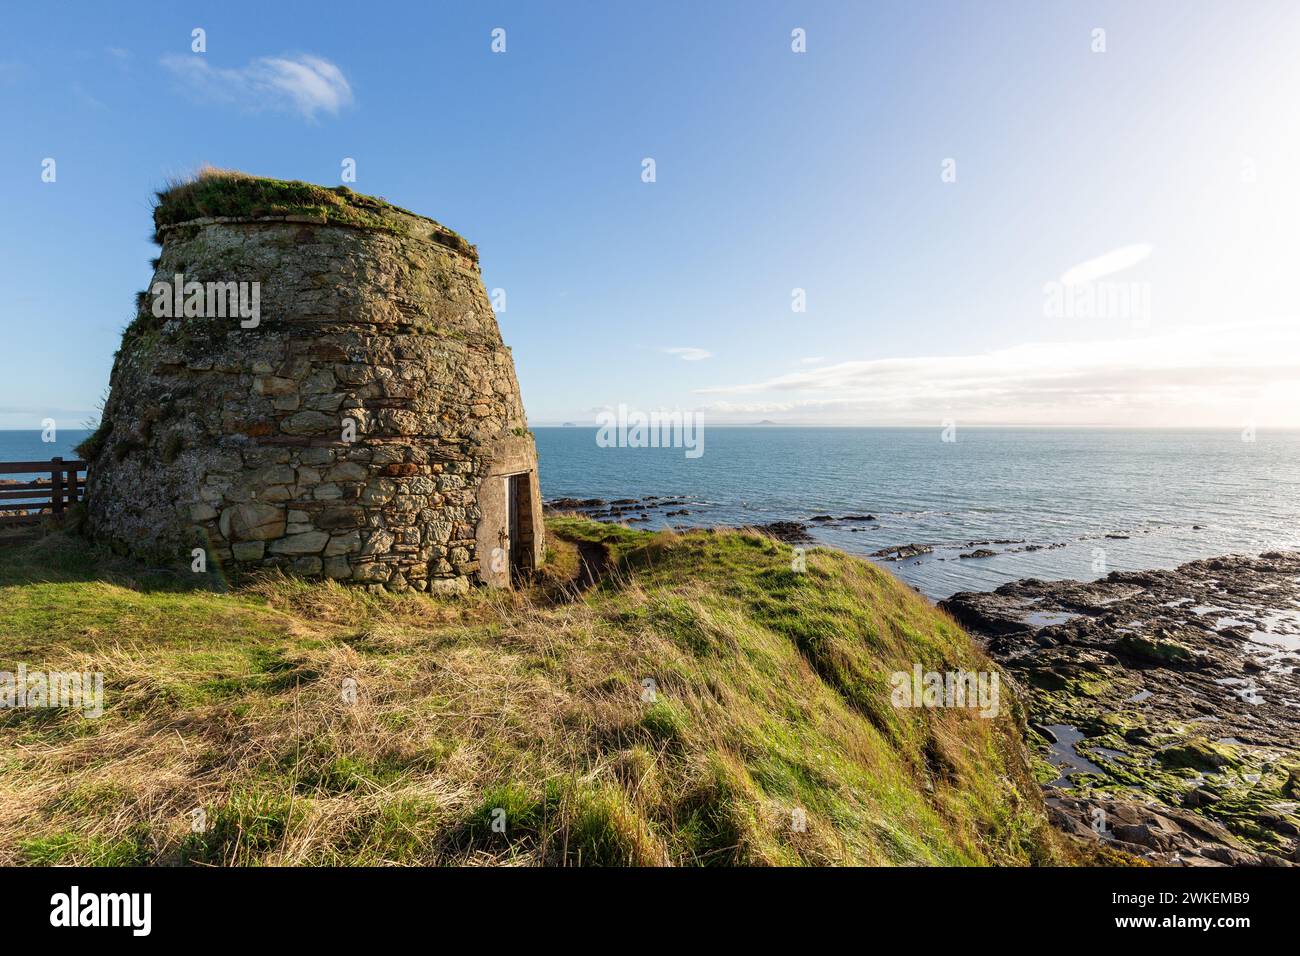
point(26, 502)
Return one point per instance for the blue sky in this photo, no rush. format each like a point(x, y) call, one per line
point(1162, 168)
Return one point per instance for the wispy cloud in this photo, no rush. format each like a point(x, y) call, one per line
point(31, 416)
point(85, 97)
point(1117, 260)
point(119, 57)
point(1192, 375)
point(813, 360)
point(304, 84)
point(689, 353)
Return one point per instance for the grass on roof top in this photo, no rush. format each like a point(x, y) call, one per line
point(224, 192)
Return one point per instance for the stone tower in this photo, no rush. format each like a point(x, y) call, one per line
point(315, 381)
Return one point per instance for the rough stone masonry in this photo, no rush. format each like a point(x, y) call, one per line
point(368, 427)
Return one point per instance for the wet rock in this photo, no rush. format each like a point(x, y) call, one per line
point(1183, 682)
point(1164, 836)
point(902, 551)
point(1197, 754)
point(1153, 649)
point(1228, 856)
point(574, 504)
point(1199, 797)
point(791, 532)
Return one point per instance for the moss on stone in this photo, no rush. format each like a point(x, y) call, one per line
point(1198, 755)
point(1157, 650)
point(226, 193)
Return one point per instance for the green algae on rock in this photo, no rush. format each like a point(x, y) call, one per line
point(1185, 685)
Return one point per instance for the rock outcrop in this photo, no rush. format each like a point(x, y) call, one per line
point(343, 406)
point(1165, 702)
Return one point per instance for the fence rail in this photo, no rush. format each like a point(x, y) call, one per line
point(26, 502)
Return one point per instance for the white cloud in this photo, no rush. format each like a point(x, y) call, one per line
point(813, 360)
point(81, 94)
point(304, 84)
point(1196, 375)
point(689, 353)
point(1117, 260)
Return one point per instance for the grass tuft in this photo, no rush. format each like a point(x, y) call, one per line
point(213, 192)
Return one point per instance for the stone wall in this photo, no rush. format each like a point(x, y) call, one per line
point(237, 440)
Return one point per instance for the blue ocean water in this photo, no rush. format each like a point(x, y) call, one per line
point(30, 446)
point(1050, 487)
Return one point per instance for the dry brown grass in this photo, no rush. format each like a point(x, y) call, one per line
point(530, 702)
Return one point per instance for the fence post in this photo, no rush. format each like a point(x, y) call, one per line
point(56, 485)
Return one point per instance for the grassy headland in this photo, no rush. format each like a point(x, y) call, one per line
point(770, 695)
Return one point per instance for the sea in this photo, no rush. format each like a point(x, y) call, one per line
point(1049, 503)
point(38, 446)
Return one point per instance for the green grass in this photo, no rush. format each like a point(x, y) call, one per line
point(226, 193)
point(771, 700)
point(72, 849)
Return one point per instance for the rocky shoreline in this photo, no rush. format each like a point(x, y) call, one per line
point(1164, 705)
point(641, 510)
point(800, 530)
point(630, 510)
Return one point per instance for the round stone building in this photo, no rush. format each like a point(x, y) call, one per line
point(315, 381)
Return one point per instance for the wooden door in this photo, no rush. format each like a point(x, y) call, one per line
point(513, 548)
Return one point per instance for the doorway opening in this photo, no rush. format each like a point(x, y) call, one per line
point(519, 525)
